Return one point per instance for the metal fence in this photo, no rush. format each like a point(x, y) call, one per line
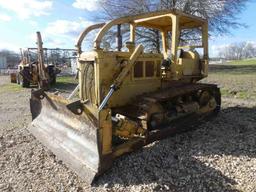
point(7, 71)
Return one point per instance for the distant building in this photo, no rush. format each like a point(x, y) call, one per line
point(217, 60)
point(3, 62)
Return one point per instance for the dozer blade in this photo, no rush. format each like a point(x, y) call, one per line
point(69, 131)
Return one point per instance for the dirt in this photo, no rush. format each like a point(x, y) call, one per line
point(220, 155)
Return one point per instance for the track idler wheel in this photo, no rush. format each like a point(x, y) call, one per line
point(209, 101)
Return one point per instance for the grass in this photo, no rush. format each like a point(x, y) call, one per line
point(10, 87)
point(238, 94)
point(243, 87)
point(65, 83)
point(66, 79)
point(233, 69)
point(235, 80)
point(243, 62)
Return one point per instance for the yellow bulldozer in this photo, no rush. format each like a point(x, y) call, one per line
point(34, 71)
point(128, 97)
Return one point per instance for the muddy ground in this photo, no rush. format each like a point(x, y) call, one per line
point(220, 155)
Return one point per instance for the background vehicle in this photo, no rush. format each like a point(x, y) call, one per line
point(128, 98)
point(33, 70)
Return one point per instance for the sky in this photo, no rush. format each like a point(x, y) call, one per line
point(61, 21)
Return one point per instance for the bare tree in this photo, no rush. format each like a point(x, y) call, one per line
point(12, 57)
point(116, 8)
point(249, 50)
point(236, 51)
point(222, 14)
